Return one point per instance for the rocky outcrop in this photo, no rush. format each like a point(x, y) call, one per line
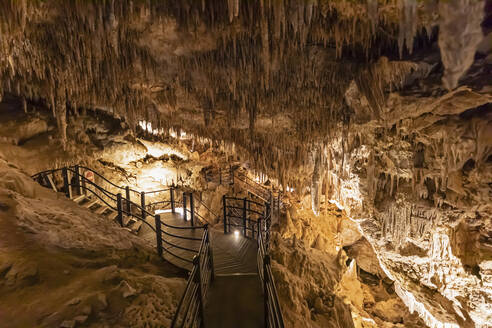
point(404, 146)
point(72, 267)
point(420, 190)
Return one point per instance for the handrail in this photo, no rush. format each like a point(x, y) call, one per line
point(180, 247)
point(208, 209)
point(107, 193)
point(258, 189)
point(100, 198)
point(83, 183)
point(190, 310)
point(101, 176)
point(45, 172)
point(273, 311)
point(157, 191)
point(248, 200)
point(243, 213)
point(181, 237)
point(245, 179)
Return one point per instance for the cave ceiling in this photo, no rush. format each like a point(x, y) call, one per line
point(277, 77)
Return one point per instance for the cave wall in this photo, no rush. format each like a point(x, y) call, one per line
point(420, 189)
point(381, 106)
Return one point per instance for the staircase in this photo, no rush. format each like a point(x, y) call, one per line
point(233, 254)
point(230, 282)
point(256, 191)
point(98, 207)
point(242, 290)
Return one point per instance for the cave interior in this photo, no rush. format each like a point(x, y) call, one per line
point(246, 163)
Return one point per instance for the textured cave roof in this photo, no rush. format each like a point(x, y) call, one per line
point(250, 72)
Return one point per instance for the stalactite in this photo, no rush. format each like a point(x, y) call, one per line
point(408, 25)
point(316, 182)
point(61, 119)
point(372, 12)
point(458, 42)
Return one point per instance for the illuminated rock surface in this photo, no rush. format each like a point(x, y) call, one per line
point(382, 108)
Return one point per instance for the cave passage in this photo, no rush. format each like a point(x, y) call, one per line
point(237, 163)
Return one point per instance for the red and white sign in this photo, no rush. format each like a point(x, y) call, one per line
point(89, 175)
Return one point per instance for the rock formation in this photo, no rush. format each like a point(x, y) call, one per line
point(383, 108)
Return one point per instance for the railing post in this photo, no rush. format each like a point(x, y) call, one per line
point(158, 234)
point(128, 205)
point(210, 254)
point(70, 179)
point(244, 215)
point(220, 176)
point(192, 208)
point(232, 175)
point(266, 262)
point(65, 181)
point(184, 207)
point(259, 229)
point(173, 209)
point(120, 211)
point(142, 204)
point(253, 230)
point(198, 280)
point(84, 184)
point(225, 213)
point(77, 179)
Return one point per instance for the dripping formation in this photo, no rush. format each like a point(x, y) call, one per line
point(382, 107)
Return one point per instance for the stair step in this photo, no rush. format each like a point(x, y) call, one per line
point(79, 199)
point(113, 216)
point(101, 210)
point(127, 220)
point(91, 203)
point(136, 226)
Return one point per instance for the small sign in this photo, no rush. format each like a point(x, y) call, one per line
point(89, 175)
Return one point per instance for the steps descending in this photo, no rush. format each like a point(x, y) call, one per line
point(233, 254)
point(235, 301)
point(97, 207)
point(225, 288)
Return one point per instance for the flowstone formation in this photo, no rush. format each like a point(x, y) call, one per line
point(382, 107)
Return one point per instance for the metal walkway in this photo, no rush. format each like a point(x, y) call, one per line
point(237, 290)
point(230, 282)
point(232, 254)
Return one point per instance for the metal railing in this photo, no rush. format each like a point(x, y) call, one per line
point(190, 311)
point(221, 176)
point(74, 182)
point(272, 309)
point(252, 217)
point(231, 176)
point(255, 220)
point(243, 214)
